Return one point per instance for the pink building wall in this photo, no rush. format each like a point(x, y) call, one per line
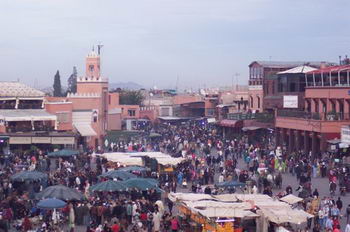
point(56, 106)
point(113, 100)
point(114, 122)
point(181, 99)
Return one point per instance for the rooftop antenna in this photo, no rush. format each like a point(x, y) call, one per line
point(35, 83)
point(99, 46)
point(237, 75)
point(177, 82)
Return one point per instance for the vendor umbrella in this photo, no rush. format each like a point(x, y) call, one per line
point(63, 153)
point(141, 184)
point(108, 186)
point(117, 174)
point(29, 176)
point(60, 192)
point(230, 184)
point(51, 203)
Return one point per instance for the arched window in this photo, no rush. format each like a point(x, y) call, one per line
point(258, 98)
point(251, 102)
point(94, 116)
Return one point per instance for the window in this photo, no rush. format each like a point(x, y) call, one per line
point(131, 113)
point(165, 111)
point(258, 101)
point(94, 116)
point(62, 117)
point(293, 87)
point(109, 99)
point(251, 102)
point(210, 112)
point(91, 68)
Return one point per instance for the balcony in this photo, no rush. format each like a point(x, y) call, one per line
point(20, 127)
point(329, 116)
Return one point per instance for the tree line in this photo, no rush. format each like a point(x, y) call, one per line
point(126, 97)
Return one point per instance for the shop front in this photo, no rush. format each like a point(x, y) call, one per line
point(27, 142)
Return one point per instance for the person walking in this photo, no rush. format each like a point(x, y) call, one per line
point(339, 204)
point(174, 224)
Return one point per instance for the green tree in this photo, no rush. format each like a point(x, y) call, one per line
point(72, 81)
point(131, 97)
point(57, 90)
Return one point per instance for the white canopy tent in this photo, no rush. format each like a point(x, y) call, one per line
point(26, 115)
point(135, 158)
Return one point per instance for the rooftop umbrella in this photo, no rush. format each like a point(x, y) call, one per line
point(134, 169)
point(141, 184)
point(63, 153)
point(51, 203)
point(29, 176)
point(230, 184)
point(108, 186)
point(60, 192)
point(122, 175)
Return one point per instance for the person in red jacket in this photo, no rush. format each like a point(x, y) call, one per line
point(174, 224)
point(115, 227)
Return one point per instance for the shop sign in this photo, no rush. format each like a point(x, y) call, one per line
point(290, 101)
point(345, 134)
point(41, 140)
point(20, 140)
point(63, 140)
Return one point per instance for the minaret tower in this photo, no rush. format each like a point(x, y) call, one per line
point(93, 65)
point(92, 82)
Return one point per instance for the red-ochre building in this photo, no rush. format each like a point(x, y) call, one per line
point(28, 117)
point(327, 109)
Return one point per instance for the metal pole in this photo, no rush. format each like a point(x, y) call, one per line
point(306, 84)
point(313, 77)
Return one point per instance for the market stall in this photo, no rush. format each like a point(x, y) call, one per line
point(237, 212)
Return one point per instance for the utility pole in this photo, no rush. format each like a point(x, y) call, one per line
point(177, 83)
point(237, 75)
point(99, 47)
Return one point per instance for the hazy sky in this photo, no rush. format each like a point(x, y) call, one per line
point(151, 42)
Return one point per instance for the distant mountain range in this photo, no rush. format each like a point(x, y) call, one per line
point(125, 85)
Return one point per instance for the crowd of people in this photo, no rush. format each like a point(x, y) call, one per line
point(210, 159)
